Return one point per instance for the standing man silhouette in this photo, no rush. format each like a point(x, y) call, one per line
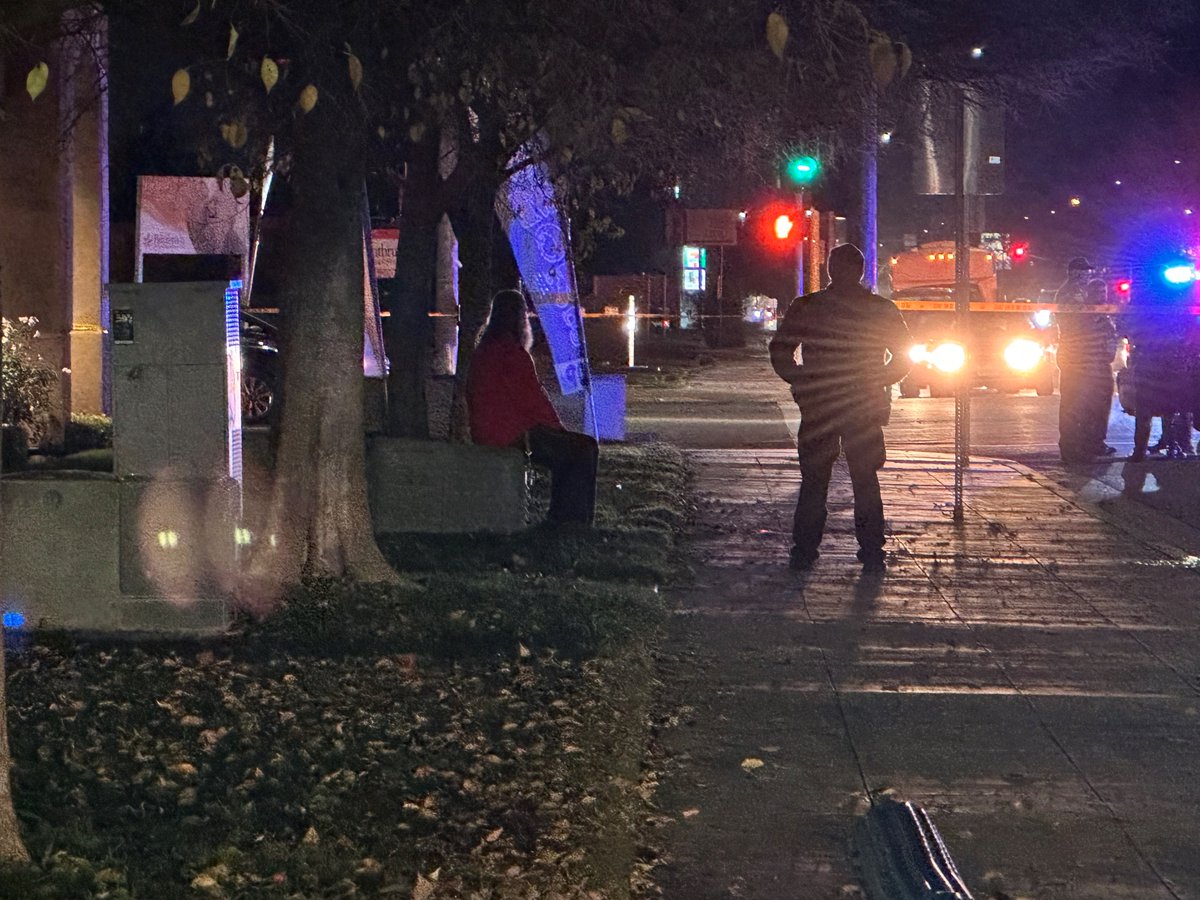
point(841, 350)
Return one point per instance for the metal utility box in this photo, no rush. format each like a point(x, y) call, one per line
point(176, 381)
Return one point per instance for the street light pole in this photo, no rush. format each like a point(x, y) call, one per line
point(870, 188)
point(962, 306)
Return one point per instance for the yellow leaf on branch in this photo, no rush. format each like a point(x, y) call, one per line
point(777, 33)
point(269, 73)
point(308, 98)
point(233, 39)
point(181, 85)
point(234, 134)
point(36, 80)
point(356, 71)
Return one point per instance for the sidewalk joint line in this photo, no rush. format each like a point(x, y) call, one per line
point(837, 697)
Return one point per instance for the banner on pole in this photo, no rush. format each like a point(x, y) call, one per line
point(537, 232)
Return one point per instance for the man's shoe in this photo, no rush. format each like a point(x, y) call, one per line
point(874, 565)
point(802, 562)
point(1108, 451)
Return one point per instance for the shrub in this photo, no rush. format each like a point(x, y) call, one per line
point(86, 431)
point(25, 378)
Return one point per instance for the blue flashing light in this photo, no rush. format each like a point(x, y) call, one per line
point(13, 620)
point(1179, 273)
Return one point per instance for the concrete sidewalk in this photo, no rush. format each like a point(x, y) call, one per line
point(1032, 677)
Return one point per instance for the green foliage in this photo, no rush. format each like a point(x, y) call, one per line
point(25, 378)
point(87, 432)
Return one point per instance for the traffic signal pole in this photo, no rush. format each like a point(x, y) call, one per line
point(962, 307)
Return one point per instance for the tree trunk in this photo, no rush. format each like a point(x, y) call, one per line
point(320, 521)
point(474, 221)
point(12, 848)
point(408, 330)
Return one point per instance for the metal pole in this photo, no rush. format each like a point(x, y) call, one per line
point(870, 189)
point(962, 309)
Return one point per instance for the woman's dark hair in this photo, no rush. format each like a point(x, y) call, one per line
point(508, 318)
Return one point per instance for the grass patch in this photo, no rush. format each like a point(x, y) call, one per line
point(640, 507)
point(484, 722)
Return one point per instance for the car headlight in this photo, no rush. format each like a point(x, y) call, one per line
point(1043, 318)
point(1023, 354)
point(918, 353)
point(949, 357)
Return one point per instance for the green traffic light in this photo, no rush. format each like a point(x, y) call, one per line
point(803, 169)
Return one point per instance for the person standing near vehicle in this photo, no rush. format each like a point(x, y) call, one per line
point(833, 348)
point(510, 408)
point(1087, 342)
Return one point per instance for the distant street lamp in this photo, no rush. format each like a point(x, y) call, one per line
point(976, 53)
point(1075, 201)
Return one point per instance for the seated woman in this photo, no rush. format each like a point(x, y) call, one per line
point(510, 408)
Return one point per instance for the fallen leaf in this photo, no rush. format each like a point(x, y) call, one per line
point(424, 888)
point(311, 837)
point(750, 764)
point(689, 813)
point(193, 15)
point(356, 71)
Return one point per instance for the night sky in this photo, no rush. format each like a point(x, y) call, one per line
point(1131, 128)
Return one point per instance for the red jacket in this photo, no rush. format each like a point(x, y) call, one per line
point(504, 395)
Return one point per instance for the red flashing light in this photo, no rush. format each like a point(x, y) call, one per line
point(784, 225)
point(1124, 286)
point(1020, 252)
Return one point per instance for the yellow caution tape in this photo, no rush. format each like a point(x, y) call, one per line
point(1007, 306)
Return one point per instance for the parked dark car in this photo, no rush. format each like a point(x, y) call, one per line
point(260, 369)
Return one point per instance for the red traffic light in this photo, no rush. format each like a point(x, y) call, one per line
point(1020, 252)
point(1124, 286)
point(778, 225)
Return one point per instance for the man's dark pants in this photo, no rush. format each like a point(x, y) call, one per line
point(571, 458)
point(1084, 404)
point(821, 437)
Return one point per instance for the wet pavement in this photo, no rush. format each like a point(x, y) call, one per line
point(1031, 676)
